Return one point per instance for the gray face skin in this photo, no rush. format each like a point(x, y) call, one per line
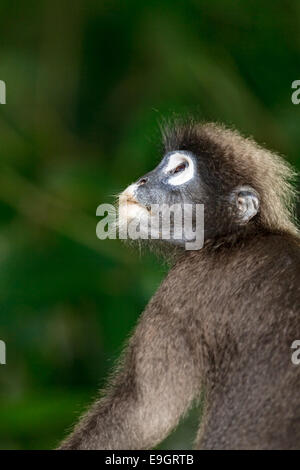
point(182, 178)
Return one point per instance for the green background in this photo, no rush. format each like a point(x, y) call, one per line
point(87, 83)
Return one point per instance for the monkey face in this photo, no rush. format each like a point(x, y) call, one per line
point(171, 189)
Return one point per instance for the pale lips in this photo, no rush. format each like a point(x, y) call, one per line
point(127, 198)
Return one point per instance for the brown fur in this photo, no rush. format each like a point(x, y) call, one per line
point(222, 321)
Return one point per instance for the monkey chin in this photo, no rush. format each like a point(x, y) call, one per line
point(133, 214)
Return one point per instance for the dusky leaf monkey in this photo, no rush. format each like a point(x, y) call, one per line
point(224, 319)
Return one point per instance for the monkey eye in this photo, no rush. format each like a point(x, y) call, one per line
point(180, 167)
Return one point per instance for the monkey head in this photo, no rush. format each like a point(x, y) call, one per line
point(231, 177)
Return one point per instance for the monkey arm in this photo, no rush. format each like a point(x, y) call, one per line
point(154, 385)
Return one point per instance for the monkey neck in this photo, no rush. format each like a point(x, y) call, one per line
point(234, 236)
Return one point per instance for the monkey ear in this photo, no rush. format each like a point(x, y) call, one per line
point(247, 203)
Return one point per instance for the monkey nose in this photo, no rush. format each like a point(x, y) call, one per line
point(142, 181)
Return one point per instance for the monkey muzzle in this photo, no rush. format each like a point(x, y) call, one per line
point(130, 208)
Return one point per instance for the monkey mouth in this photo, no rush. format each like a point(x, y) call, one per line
point(130, 200)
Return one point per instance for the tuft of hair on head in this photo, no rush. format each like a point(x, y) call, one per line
point(247, 162)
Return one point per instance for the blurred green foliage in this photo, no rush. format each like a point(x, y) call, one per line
point(87, 83)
